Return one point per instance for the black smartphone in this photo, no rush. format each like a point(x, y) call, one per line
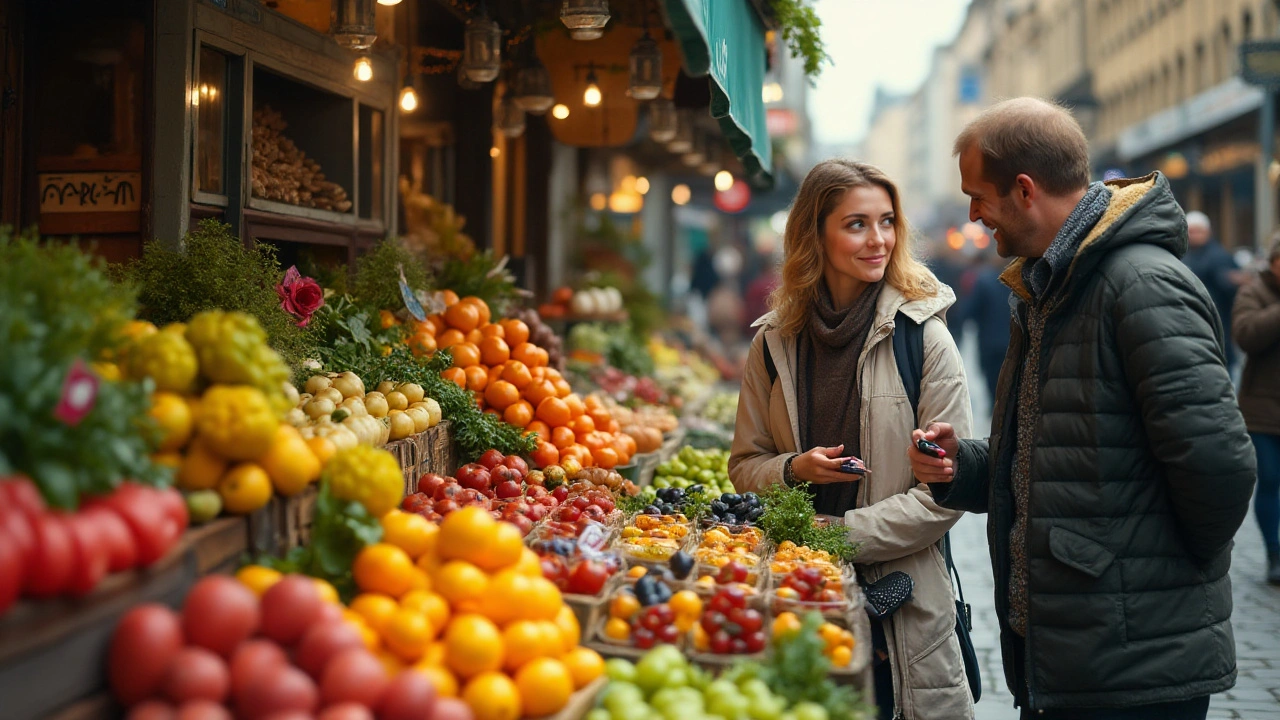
point(853, 466)
point(930, 448)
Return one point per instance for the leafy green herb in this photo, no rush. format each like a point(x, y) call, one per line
point(339, 531)
point(789, 515)
point(377, 280)
point(632, 504)
point(215, 271)
point(697, 505)
point(800, 25)
point(57, 307)
point(483, 276)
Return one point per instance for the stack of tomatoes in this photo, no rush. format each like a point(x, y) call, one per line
point(498, 483)
point(45, 553)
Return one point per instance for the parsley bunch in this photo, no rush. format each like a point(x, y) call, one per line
point(789, 515)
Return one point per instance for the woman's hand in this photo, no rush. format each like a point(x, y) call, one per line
point(821, 466)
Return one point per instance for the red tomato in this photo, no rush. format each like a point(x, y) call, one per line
point(322, 642)
point(196, 674)
point(252, 660)
point(18, 491)
point(219, 614)
point(203, 710)
point(17, 525)
point(54, 558)
point(346, 711)
point(281, 689)
point(12, 570)
point(152, 710)
point(588, 578)
point(175, 507)
point(354, 675)
point(92, 556)
point(410, 696)
point(116, 537)
point(429, 483)
point(144, 644)
point(517, 463)
point(154, 527)
point(490, 459)
point(289, 608)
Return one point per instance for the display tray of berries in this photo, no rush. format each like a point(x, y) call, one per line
point(735, 510)
point(648, 613)
point(807, 588)
point(846, 639)
point(729, 629)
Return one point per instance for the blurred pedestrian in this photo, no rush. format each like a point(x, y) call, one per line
point(989, 309)
point(1217, 269)
point(1119, 467)
point(822, 384)
point(1256, 321)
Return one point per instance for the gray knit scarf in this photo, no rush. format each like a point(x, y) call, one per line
point(1044, 273)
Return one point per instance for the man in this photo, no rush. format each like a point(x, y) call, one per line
point(1216, 269)
point(989, 308)
point(1118, 467)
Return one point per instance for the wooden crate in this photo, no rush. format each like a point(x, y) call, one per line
point(283, 524)
point(53, 653)
point(431, 451)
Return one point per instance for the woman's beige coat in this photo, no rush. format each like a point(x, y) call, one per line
point(896, 525)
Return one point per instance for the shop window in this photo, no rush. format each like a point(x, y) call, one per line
point(372, 152)
point(211, 100)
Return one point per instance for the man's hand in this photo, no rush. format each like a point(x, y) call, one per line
point(929, 469)
point(821, 466)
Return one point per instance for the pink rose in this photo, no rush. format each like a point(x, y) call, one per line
point(300, 296)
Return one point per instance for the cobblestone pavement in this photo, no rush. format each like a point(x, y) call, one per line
point(1255, 620)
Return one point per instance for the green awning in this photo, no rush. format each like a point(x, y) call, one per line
point(725, 40)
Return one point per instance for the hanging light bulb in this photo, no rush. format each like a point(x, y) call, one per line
point(482, 49)
point(663, 120)
point(533, 88)
point(585, 18)
point(681, 194)
point(560, 111)
point(646, 69)
point(724, 180)
point(508, 117)
point(353, 25)
point(388, 2)
point(642, 185)
point(683, 140)
point(591, 97)
point(363, 69)
point(408, 99)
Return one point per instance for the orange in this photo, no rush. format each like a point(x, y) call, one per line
point(375, 608)
point(523, 641)
point(600, 417)
point(541, 600)
point(446, 684)
point(201, 468)
point(477, 378)
point(499, 603)
point(592, 441)
point(411, 533)
point(576, 408)
point(502, 549)
point(501, 394)
point(629, 442)
point(455, 375)
point(434, 654)
point(422, 343)
point(246, 487)
point(463, 317)
point(625, 605)
point(173, 416)
point(492, 330)
point(407, 633)
point(465, 355)
point(584, 665)
point(553, 639)
point(461, 583)
point(367, 634)
point(554, 412)
point(475, 336)
point(384, 568)
point(517, 331)
point(495, 413)
point(552, 373)
point(530, 564)
point(580, 453)
point(464, 530)
point(322, 448)
point(614, 427)
point(328, 592)
point(449, 338)
point(430, 604)
point(494, 351)
point(569, 630)
point(448, 297)
point(527, 353)
point(481, 306)
point(562, 437)
point(493, 696)
point(517, 373)
point(563, 389)
point(258, 578)
point(618, 629)
point(538, 373)
point(539, 428)
point(538, 390)
point(545, 686)
point(841, 656)
point(546, 454)
point(473, 645)
point(519, 413)
point(391, 663)
point(605, 457)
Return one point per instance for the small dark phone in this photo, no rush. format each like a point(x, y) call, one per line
point(853, 466)
point(930, 448)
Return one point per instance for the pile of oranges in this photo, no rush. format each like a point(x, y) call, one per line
point(466, 604)
point(511, 379)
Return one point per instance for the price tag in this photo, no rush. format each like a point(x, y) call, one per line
point(79, 392)
point(410, 300)
point(591, 541)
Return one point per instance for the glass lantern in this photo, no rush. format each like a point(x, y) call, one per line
point(585, 18)
point(697, 153)
point(646, 69)
point(533, 89)
point(508, 117)
point(464, 81)
point(353, 24)
point(482, 49)
point(683, 140)
point(663, 120)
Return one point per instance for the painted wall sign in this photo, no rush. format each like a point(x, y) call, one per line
point(90, 192)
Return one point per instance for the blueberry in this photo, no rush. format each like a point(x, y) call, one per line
point(731, 519)
point(731, 498)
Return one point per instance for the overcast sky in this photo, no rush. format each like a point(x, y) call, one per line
point(874, 42)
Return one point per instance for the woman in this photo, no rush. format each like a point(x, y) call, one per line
point(1255, 325)
point(847, 271)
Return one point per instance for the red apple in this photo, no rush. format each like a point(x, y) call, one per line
point(490, 459)
point(560, 494)
point(448, 491)
point(430, 482)
point(473, 476)
point(517, 463)
point(444, 507)
point(536, 512)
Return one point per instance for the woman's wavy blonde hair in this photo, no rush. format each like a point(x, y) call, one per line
point(804, 258)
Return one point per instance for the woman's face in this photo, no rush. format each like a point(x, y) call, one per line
point(858, 236)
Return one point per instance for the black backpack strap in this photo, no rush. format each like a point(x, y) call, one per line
point(955, 575)
point(908, 353)
point(769, 367)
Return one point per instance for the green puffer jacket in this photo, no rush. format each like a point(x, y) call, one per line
point(1141, 474)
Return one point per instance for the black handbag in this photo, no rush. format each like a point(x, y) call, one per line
point(887, 594)
point(908, 354)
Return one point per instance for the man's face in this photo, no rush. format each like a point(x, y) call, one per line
point(1197, 235)
point(1014, 229)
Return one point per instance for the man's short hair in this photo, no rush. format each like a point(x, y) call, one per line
point(1029, 136)
point(1195, 218)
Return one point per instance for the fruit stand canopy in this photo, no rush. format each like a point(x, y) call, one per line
point(717, 35)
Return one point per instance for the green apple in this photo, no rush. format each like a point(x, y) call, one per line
point(809, 711)
point(620, 670)
point(599, 714)
point(619, 695)
point(203, 506)
point(734, 706)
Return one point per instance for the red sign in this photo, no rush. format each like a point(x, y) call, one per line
point(733, 200)
point(781, 122)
